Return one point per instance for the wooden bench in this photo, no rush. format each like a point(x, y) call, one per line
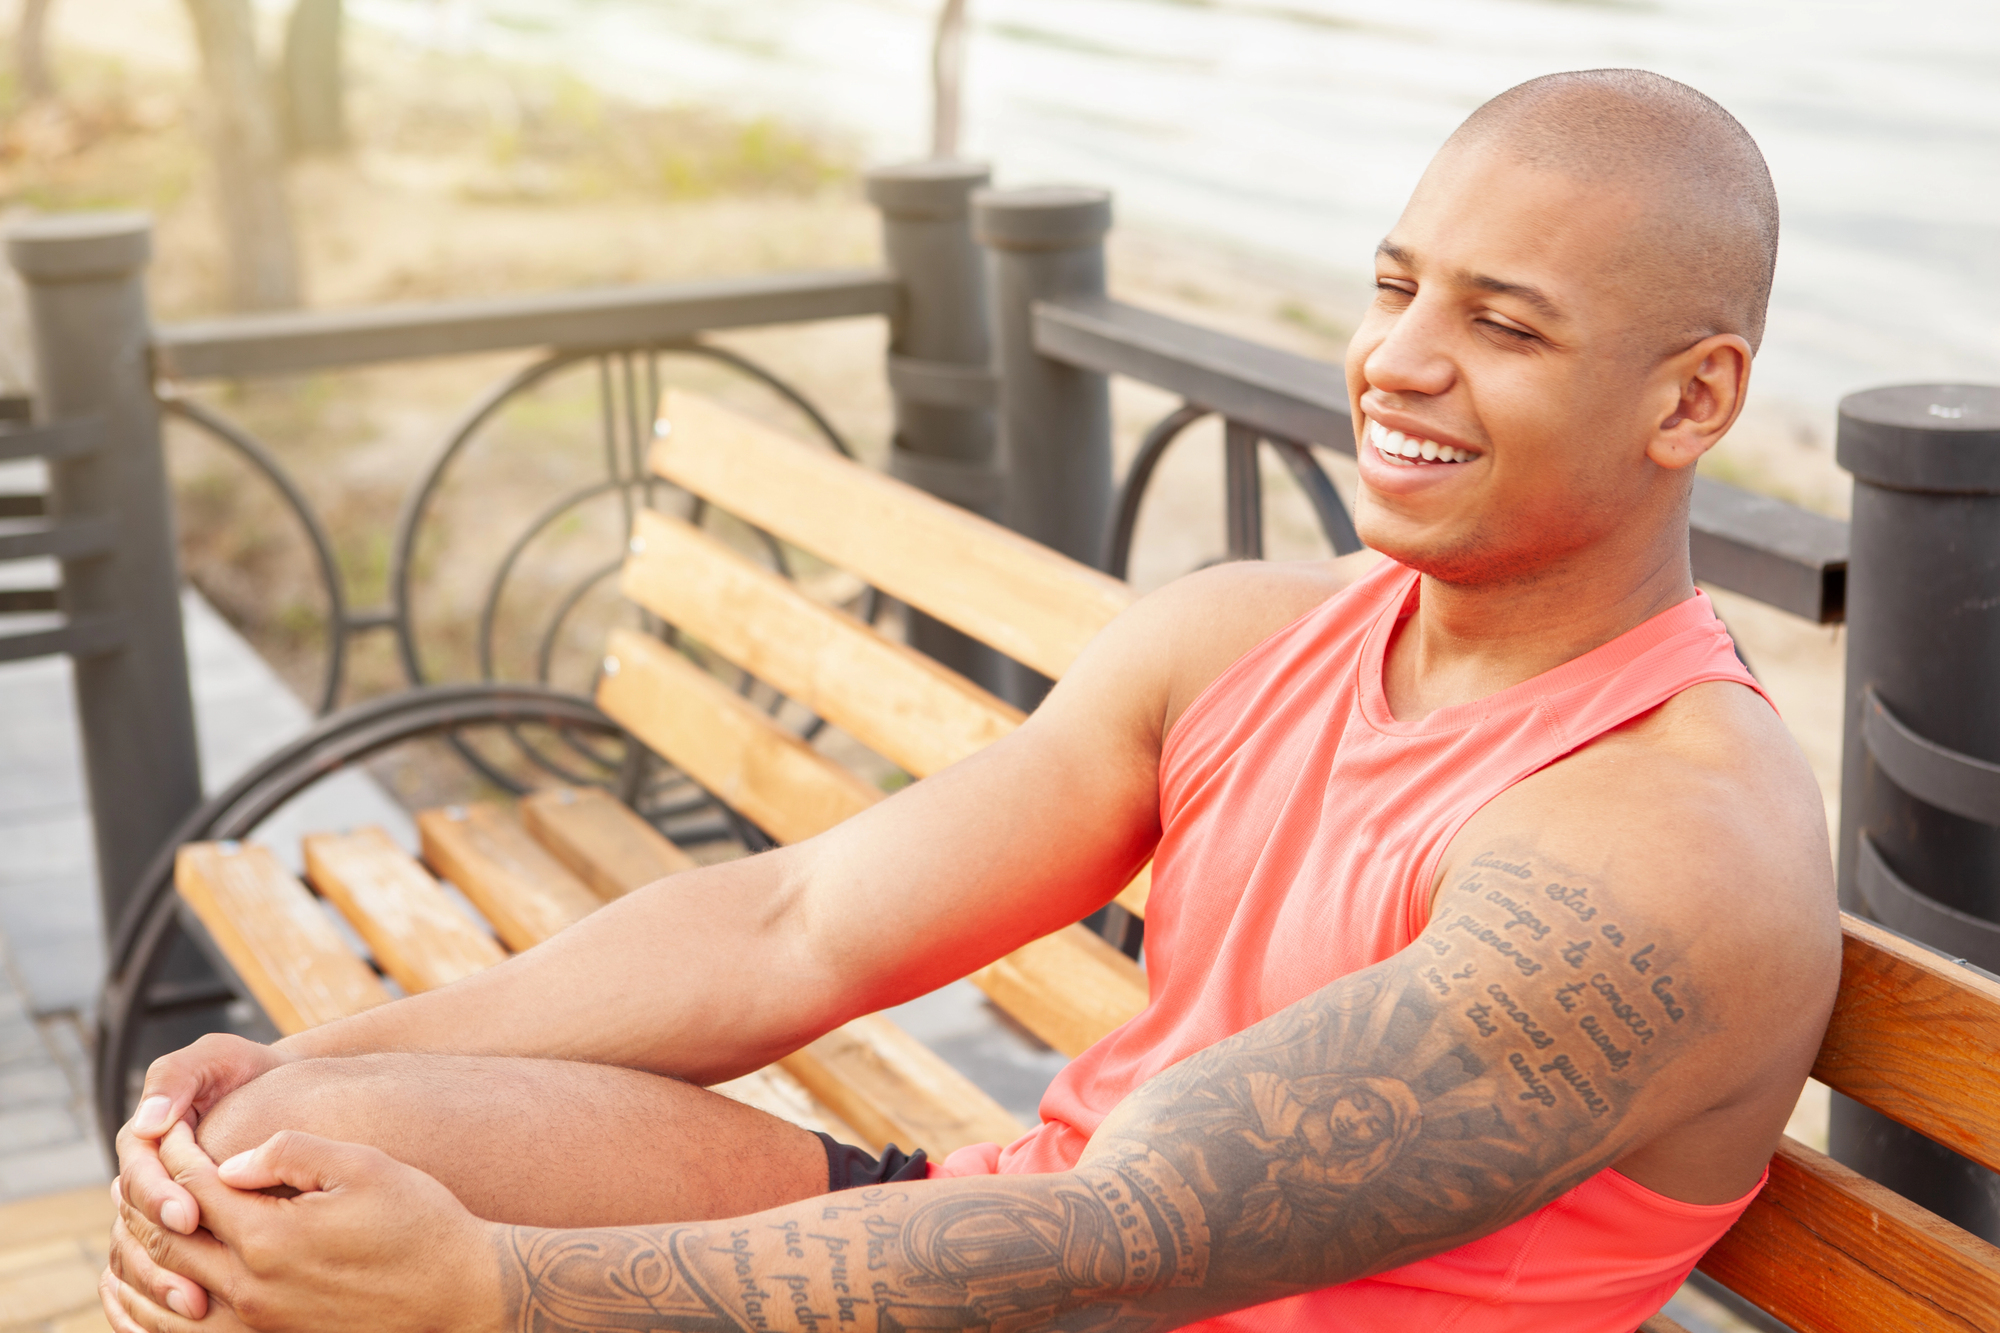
point(1914, 1036)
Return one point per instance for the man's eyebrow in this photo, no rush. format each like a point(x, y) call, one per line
point(1534, 296)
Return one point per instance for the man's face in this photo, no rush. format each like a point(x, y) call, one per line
point(1502, 334)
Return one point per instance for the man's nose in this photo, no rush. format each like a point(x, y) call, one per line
point(1413, 357)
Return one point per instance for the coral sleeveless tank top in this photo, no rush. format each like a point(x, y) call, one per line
point(1303, 827)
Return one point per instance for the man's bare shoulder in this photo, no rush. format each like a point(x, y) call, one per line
point(1711, 793)
point(1703, 823)
point(1202, 623)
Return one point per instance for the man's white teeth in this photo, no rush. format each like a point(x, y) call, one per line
point(1396, 445)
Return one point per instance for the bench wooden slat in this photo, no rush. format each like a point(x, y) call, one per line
point(1827, 1250)
point(772, 1090)
point(1037, 606)
point(725, 743)
point(893, 699)
point(1070, 988)
point(275, 935)
point(600, 839)
point(1661, 1323)
point(516, 884)
point(894, 1089)
point(416, 934)
point(1134, 896)
point(899, 703)
point(1917, 1038)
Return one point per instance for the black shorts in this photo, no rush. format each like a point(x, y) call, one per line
point(849, 1168)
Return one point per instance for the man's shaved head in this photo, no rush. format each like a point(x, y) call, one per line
point(1701, 261)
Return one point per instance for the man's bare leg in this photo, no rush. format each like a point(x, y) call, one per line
point(549, 1143)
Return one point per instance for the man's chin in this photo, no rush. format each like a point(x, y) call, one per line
point(1455, 560)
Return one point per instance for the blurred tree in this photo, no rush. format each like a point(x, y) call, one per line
point(31, 52)
point(246, 155)
point(947, 78)
point(310, 82)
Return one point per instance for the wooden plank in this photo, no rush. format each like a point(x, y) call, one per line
point(1827, 1250)
point(894, 700)
point(45, 1281)
point(275, 934)
point(1070, 988)
point(893, 1089)
point(725, 743)
point(1661, 1323)
point(1133, 896)
point(899, 703)
point(85, 1212)
point(516, 884)
point(598, 837)
point(777, 1093)
point(1031, 603)
point(1917, 1037)
point(415, 932)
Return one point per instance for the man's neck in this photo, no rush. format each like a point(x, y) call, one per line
point(1468, 642)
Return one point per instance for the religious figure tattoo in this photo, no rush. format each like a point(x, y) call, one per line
point(1397, 1112)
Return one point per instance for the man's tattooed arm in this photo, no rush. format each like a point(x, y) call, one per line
point(1398, 1112)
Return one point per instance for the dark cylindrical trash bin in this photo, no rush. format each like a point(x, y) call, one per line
point(1919, 841)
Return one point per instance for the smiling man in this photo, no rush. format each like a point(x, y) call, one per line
point(1491, 938)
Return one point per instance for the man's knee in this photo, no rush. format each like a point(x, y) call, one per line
point(333, 1098)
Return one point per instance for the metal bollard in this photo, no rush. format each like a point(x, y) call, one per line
point(1920, 779)
point(1055, 419)
point(940, 364)
point(85, 281)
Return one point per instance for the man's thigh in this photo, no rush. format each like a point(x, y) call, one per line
point(549, 1143)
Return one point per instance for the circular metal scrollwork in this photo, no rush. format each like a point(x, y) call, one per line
point(144, 937)
point(1331, 513)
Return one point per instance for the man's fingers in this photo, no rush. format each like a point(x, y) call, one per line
point(155, 1115)
point(130, 1312)
point(134, 1265)
point(115, 1313)
point(148, 1186)
point(194, 1173)
point(144, 1252)
point(182, 1156)
point(306, 1162)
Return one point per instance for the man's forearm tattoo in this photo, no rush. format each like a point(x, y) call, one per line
point(1395, 1113)
point(1005, 1253)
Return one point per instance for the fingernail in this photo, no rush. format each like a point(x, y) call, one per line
point(152, 1116)
point(173, 1214)
point(237, 1164)
point(117, 1193)
point(178, 1303)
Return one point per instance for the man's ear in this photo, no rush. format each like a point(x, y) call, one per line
point(1704, 388)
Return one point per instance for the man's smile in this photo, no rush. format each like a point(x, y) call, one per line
point(1412, 450)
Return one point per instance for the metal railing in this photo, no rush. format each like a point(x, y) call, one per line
point(1004, 342)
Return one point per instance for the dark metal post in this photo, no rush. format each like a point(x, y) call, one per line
point(1055, 419)
point(1243, 493)
point(1920, 780)
point(940, 363)
point(85, 280)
